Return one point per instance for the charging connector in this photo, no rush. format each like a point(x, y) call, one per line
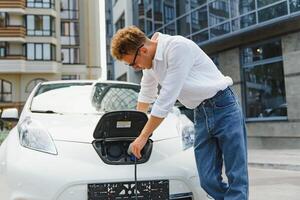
point(133, 158)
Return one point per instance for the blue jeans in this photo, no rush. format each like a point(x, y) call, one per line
point(221, 135)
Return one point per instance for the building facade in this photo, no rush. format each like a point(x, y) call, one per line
point(43, 40)
point(256, 42)
point(123, 15)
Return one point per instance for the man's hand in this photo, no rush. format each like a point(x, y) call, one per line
point(137, 146)
point(139, 143)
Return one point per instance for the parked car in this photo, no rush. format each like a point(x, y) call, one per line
point(71, 143)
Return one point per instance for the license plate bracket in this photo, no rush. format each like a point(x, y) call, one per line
point(150, 190)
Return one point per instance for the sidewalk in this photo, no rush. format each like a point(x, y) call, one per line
point(286, 159)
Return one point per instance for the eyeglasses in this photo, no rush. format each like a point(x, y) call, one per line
point(136, 53)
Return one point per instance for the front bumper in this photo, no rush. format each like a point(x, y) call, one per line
point(30, 175)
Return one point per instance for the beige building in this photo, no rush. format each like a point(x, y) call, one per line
point(42, 40)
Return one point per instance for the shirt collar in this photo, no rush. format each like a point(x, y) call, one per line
point(160, 45)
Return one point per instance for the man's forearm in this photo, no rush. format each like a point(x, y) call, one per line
point(143, 107)
point(150, 126)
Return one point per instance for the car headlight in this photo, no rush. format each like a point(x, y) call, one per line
point(187, 130)
point(33, 136)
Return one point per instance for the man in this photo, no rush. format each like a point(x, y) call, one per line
point(186, 73)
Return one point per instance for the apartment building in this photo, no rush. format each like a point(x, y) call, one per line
point(256, 42)
point(43, 40)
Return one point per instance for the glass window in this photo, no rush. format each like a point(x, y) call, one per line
point(243, 22)
point(199, 19)
point(70, 55)
point(5, 91)
point(261, 3)
point(70, 77)
point(200, 37)
point(294, 5)
point(46, 52)
point(158, 21)
point(170, 29)
point(240, 7)
point(120, 23)
point(264, 81)
point(197, 3)
point(3, 49)
point(30, 51)
point(272, 12)
point(3, 19)
point(220, 30)
point(40, 51)
point(39, 25)
point(141, 15)
point(261, 52)
point(149, 19)
point(169, 11)
point(69, 9)
point(40, 3)
point(183, 25)
point(218, 12)
point(182, 7)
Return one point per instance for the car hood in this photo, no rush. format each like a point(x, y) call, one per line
point(80, 128)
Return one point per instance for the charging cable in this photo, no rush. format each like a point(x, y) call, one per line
point(133, 158)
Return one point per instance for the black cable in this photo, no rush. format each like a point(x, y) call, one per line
point(135, 178)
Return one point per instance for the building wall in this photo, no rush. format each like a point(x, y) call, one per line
point(272, 134)
point(21, 71)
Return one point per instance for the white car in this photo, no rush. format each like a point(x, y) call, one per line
point(71, 143)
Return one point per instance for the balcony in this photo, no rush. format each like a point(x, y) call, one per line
point(12, 4)
point(12, 31)
point(13, 57)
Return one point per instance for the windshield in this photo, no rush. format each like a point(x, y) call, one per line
point(84, 98)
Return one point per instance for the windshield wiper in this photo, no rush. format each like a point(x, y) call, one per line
point(45, 111)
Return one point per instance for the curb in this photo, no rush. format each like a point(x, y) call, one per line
point(275, 166)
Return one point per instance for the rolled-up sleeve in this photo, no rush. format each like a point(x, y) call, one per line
point(148, 92)
point(180, 61)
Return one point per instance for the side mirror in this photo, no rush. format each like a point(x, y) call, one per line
point(10, 114)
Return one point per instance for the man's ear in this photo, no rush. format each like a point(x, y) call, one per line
point(144, 49)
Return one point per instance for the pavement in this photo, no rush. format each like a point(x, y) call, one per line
point(284, 159)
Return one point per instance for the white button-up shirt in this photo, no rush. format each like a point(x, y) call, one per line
point(183, 71)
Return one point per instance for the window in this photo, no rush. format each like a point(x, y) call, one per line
point(199, 19)
point(70, 77)
point(264, 85)
point(70, 55)
point(120, 23)
point(170, 29)
point(40, 3)
point(243, 22)
point(169, 11)
point(240, 7)
point(197, 3)
point(5, 91)
point(69, 9)
point(183, 25)
point(182, 7)
point(3, 47)
point(3, 19)
point(69, 33)
point(158, 22)
point(218, 11)
point(40, 51)
point(272, 12)
point(294, 6)
point(40, 25)
point(33, 83)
